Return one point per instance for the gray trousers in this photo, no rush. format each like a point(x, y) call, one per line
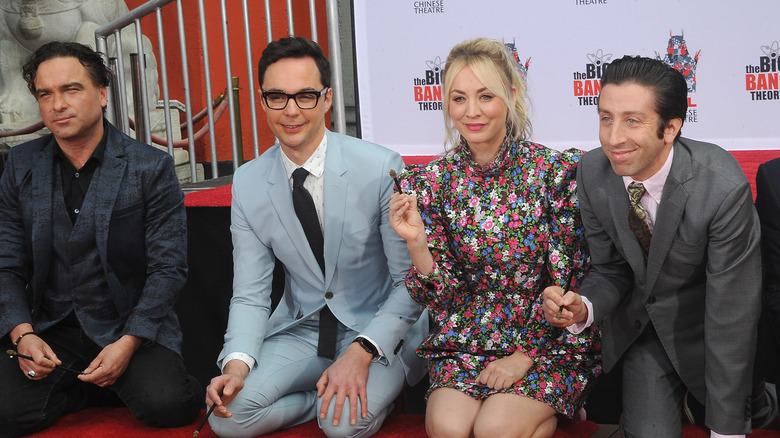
point(653, 393)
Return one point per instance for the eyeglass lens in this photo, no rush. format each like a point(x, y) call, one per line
point(304, 99)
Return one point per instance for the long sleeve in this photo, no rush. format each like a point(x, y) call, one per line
point(14, 307)
point(165, 243)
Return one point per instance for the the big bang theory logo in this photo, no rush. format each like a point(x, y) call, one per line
point(522, 67)
point(761, 80)
point(678, 56)
point(587, 83)
point(428, 87)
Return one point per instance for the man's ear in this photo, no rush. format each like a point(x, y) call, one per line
point(671, 130)
point(328, 98)
point(103, 96)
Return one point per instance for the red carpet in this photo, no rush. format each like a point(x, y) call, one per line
point(216, 197)
point(118, 422)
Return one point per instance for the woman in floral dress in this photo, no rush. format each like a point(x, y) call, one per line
point(489, 225)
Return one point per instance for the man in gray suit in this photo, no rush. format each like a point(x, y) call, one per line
point(287, 367)
point(676, 269)
point(92, 258)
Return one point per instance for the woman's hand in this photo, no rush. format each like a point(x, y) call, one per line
point(406, 220)
point(505, 372)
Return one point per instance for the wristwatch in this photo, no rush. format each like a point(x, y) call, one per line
point(368, 346)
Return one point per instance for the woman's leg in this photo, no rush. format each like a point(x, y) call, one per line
point(512, 415)
point(450, 414)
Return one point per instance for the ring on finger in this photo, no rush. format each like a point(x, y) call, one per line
point(31, 373)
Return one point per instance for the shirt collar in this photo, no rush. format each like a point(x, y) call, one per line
point(315, 164)
point(97, 154)
point(655, 184)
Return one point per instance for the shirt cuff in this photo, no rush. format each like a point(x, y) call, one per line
point(243, 357)
point(714, 434)
point(578, 328)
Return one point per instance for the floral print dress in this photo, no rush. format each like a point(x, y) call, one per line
point(499, 235)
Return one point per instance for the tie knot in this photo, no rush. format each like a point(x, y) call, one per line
point(299, 176)
point(635, 192)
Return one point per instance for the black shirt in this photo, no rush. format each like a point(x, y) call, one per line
point(75, 182)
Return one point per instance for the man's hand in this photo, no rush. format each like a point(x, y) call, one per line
point(111, 362)
point(346, 378)
point(563, 310)
point(503, 373)
point(44, 358)
point(223, 389)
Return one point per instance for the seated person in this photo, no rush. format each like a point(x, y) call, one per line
point(675, 278)
point(340, 345)
point(93, 239)
point(488, 226)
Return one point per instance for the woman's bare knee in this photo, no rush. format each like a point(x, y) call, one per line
point(443, 427)
point(514, 429)
point(515, 416)
point(450, 414)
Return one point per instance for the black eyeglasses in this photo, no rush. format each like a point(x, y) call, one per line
point(304, 99)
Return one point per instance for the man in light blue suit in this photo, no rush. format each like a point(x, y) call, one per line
point(274, 374)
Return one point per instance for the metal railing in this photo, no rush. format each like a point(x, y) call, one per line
point(117, 110)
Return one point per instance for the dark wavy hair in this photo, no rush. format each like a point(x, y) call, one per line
point(97, 70)
point(670, 91)
point(294, 47)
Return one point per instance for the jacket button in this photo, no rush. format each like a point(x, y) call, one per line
point(637, 324)
point(328, 295)
point(651, 299)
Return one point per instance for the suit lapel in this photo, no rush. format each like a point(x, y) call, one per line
point(669, 213)
point(106, 187)
point(42, 185)
point(280, 193)
point(335, 200)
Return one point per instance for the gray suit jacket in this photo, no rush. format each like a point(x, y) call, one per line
point(365, 260)
point(140, 233)
point(700, 283)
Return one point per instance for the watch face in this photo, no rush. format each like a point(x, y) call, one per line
point(367, 346)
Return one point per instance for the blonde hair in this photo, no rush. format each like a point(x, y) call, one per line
point(493, 65)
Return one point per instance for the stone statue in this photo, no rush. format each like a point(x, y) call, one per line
point(26, 25)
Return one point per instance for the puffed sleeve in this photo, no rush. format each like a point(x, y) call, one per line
point(441, 288)
point(567, 259)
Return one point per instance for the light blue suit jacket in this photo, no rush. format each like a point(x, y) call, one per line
point(365, 260)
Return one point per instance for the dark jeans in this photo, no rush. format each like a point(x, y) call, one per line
point(155, 386)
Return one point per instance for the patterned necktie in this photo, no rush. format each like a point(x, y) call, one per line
point(637, 215)
point(307, 215)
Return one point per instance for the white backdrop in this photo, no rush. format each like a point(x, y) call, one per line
point(401, 46)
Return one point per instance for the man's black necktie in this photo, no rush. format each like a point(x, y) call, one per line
point(637, 215)
point(307, 215)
